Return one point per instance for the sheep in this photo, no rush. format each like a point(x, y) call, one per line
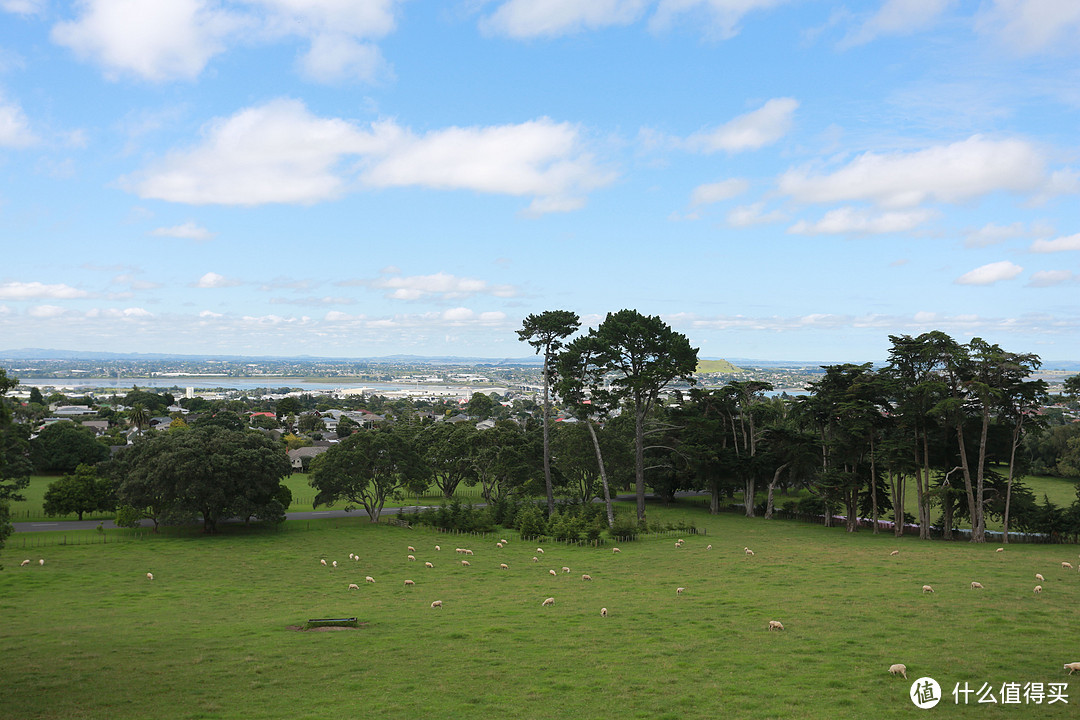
point(459, 550)
point(549, 601)
point(895, 552)
point(748, 551)
point(42, 562)
point(1066, 565)
point(899, 668)
point(680, 541)
point(149, 576)
point(1072, 667)
point(709, 547)
point(678, 544)
point(437, 604)
point(412, 549)
point(679, 591)
point(536, 559)
point(468, 552)
point(505, 541)
point(565, 569)
point(412, 557)
point(927, 589)
point(586, 577)
point(776, 625)
point(351, 556)
point(437, 548)
point(1039, 577)
point(540, 550)
point(603, 612)
point(464, 563)
point(1000, 550)
point(1038, 589)
point(369, 579)
point(976, 585)
point(552, 573)
point(498, 545)
point(615, 550)
point(353, 586)
point(504, 566)
point(323, 561)
point(334, 563)
point(427, 564)
point(356, 558)
point(25, 562)
point(408, 583)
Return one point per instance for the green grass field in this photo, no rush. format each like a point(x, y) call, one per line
point(87, 635)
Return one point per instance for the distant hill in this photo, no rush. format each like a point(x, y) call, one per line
point(716, 366)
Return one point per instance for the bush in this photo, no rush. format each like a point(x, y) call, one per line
point(128, 517)
point(530, 521)
point(624, 527)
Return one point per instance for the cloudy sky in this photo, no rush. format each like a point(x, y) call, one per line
point(778, 179)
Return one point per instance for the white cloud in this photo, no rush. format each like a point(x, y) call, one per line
point(899, 17)
point(751, 131)
point(134, 282)
point(213, 280)
point(533, 18)
point(281, 153)
point(45, 311)
point(157, 41)
point(753, 214)
point(336, 58)
point(990, 274)
point(946, 173)
point(847, 220)
point(1032, 25)
point(14, 126)
point(1060, 244)
point(187, 231)
point(1049, 278)
point(443, 285)
point(24, 7)
point(992, 234)
point(36, 290)
point(718, 191)
point(721, 17)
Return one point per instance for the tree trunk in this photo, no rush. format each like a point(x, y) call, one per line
point(968, 488)
point(748, 495)
point(1008, 484)
point(603, 474)
point(639, 461)
point(873, 481)
point(772, 486)
point(547, 448)
point(714, 498)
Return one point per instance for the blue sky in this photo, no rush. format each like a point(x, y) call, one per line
point(778, 179)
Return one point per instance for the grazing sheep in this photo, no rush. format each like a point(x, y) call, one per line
point(465, 563)
point(678, 544)
point(540, 550)
point(549, 601)
point(369, 579)
point(748, 551)
point(356, 558)
point(334, 563)
point(551, 572)
point(615, 550)
point(350, 556)
point(679, 591)
point(776, 625)
point(899, 668)
point(1072, 667)
point(1038, 589)
point(412, 557)
point(468, 552)
point(895, 552)
point(412, 549)
point(1039, 577)
point(25, 562)
point(505, 542)
point(459, 550)
point(1066, 565)
point(427, 564)
point(586, 577)
point(408, 583)
point(504, 566)
point(353, 586)
point(565, 569)
point(42, 562)
point(437, 604)
point(976, 585)
point(498, 545)
point(438, 548)
point(709, 547)
point(536, 559)
point(323, 562)
point(149, 576)
point(603, 612)
point(1000, 550)
point(680, 541)
point(927, 589)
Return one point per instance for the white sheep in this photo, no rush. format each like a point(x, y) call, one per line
point(438, 548)
point(603, 612)
point(586, 577)
point(427, 564)
point(895, 552)
point(1039, 577)
point(25, 562)
point(709, 547)
point(680, 541)
point(565, 569)
point(748, 551)
point(549, 601)
point(437, 604)
point(504, 566)
point(540, 550)
point(1038, 589)
point(536, 559)
point(776, 625)
point(353, 586)
point(927, 589)
point(412, 557)
point(42, 562)
point(1072, 667)
point(323, 562)
point(615, 550)
point(976, 585)
point(350, 556)
point(408, 583)
point(465, 563)
point(1066, 565)
point(552, 573)
point(149, 576)
point(679, 591)
point(369, 579)
point(899, 668)
point(459, 550)
point(412, 549)
point(498, 545)
point(1000, 550)
point(468, 552)
point(505, 541)
point(334, 563)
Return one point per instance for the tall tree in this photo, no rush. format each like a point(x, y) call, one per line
point(82, 491)
point(62, 446)
point(644, 356)
point(15, 467)
point(545, 332)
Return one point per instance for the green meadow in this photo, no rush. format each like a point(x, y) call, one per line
point(87, 635)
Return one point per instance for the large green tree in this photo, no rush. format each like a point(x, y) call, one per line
point(546, 332)
point(79, 492)
point(15, 464)
point(208, 471)
point(449, 451)
point(63, 446)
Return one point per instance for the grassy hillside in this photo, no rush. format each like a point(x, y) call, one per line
point(716, 366)
point(210, 635)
